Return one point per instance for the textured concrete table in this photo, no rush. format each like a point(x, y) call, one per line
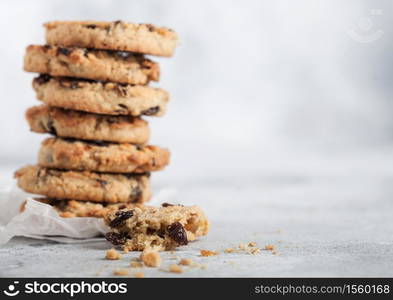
point(325, 224)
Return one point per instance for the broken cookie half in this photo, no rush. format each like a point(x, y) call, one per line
point(158, 228)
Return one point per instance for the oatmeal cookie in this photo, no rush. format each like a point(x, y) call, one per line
point(101, 97)
point(123, 67)
point(99, 156)
point(75, 208)
point(84, 186)
point(87, 126)
point(118, 35)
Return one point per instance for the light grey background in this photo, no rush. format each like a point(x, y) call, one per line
point(281, 116)
point(253, 83)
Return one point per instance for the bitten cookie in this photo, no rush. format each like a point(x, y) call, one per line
point(84, 186)
point(101, 157)
point(123, 67)
point(101, 97)
point(118, 35)
point(160, 228)
point(74, 208)
point(86, 126)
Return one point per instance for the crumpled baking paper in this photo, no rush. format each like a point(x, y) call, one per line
point(41, 221)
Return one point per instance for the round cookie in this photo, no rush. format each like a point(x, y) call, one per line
point(83, 209)
point(101, 97)
point(84, 186)
point(87, 126)
point(123, 67)
point(118, 35)
point(161, 228)
point(101, 157)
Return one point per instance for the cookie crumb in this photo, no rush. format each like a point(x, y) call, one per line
point(185, 262)
point(269, 247)
point(175, 269)
point(112, 254)
point(151, 258)
point(254, 250)
point(274, 252)
point(139, 275)
point(125, 250)
point(121, 272)
point(242, 246)
point(208, 253)
point(250, 248)
point(136, 264)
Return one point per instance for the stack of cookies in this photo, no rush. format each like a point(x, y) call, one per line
point(93, 80)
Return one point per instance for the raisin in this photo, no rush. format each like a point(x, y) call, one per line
point(177, 233)
point(117, 22)
point(91, 26)
point(150, 27)
point(151, 111)
point(150, 231)
point(47, 47)
point(64, 51)
point(121, 216)
point(51, 128)
point(123, 106)
point(116, 238)
point(43, 78)
point(161, 233)
point(135, 195)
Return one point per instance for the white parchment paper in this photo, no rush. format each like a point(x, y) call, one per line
point(41, 221)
